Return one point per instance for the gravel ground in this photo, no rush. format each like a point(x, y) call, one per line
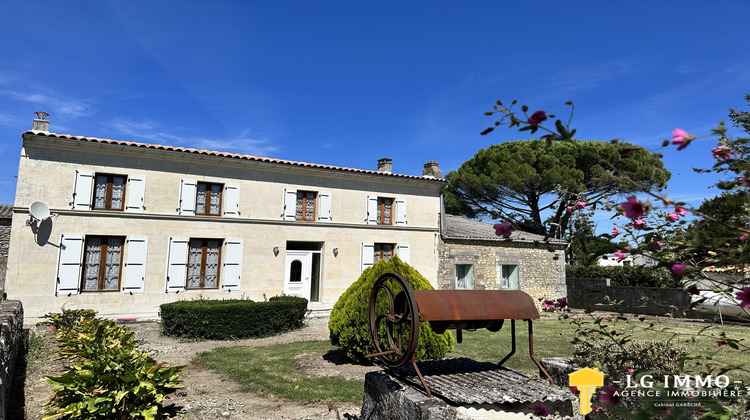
point(206, 394)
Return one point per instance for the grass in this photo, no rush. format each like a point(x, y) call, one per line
point(272, 368)
point(37, 350)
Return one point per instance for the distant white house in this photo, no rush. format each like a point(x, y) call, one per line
point(610, 260)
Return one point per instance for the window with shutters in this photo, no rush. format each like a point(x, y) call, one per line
point(385, 211)
point(383, 252)
point(305, 205)
point(208, 199)
point(109, 192)
point(509, 275)
point(464, 276)
point(102, 263)
point(204, 256)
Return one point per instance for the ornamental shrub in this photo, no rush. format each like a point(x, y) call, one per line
point(232, 319)
point(660, 357)
point(109, 377)
point(635, 276)
point(348, 324)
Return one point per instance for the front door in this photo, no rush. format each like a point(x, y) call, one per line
point(298, 274)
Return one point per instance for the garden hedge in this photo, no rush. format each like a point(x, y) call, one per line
point(232, 319)
point(348, 324)
point(635, 276)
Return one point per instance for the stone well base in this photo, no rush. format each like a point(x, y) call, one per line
point(390, 397)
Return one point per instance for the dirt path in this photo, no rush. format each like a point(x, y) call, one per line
point(206, 394)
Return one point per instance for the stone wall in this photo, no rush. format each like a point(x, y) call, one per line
point(11, 341)
point(4, 245)
point(542, 268)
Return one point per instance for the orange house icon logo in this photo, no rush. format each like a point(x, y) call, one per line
point(586, 380)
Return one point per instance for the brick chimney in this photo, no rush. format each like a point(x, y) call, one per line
point(385, 165)
point(432, 170)
point(40, 123)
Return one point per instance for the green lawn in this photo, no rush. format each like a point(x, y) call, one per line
point(272, 368)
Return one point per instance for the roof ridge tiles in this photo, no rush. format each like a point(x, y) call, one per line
point(224, 154)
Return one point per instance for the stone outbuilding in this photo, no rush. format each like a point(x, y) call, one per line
point(472, 256)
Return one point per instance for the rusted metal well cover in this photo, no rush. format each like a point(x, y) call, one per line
point(472, 305)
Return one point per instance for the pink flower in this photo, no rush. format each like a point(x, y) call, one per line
point(620, 256)
point(680, 211)
point(609, 396)
point(541, 410)
point(722, 152)
point(744, 297)
point(615, 232)
point(742, 237)
point(631, 371)
point(569, 209)
point(574, 390)
point(655, 245)
point(721, 343)
point(580, 205)
point(598, 409)
point(633, 208)
point(672, 217)
point(679, 269)
point(504, 229)
point(537, 118)
point(562, 302)
point(639, 224)
point(681, 138)
point(548, 304)
point(627, 248)
point(607, 319)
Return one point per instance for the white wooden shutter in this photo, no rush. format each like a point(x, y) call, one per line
point(187, 196)
point(400, 211)
point(135, 266)
point(372, 210)
point(368, 255)
point(136, 192)
point(290, 201)
point(177, 260)
point(404, 253)
point(324, 205)
point(232, 264)
point(82, 190)
point(69, 262)
point(232, 200)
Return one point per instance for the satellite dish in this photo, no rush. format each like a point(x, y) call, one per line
point(39, 211)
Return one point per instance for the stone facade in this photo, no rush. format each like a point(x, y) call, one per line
point(541, 266)
point(49, 254)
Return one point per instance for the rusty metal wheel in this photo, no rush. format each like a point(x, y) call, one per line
point(394, 320)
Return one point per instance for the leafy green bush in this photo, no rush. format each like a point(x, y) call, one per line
point(636, 276)
point(659, 356)
point(348, 324)
point(231, 319)
point(67, 319)
point(110, 378)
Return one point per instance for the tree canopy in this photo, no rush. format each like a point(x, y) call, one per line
point(519, 180)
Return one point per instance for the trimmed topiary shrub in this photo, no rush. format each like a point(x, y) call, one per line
point(348, 324)
point(232, 319)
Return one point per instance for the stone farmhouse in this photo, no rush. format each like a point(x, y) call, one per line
point(136, 225)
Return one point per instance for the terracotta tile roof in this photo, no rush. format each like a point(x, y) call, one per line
point(458, 227)
point(6, 211)
point(187, 150)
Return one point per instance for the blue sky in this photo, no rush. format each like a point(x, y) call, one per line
point(347, 83)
